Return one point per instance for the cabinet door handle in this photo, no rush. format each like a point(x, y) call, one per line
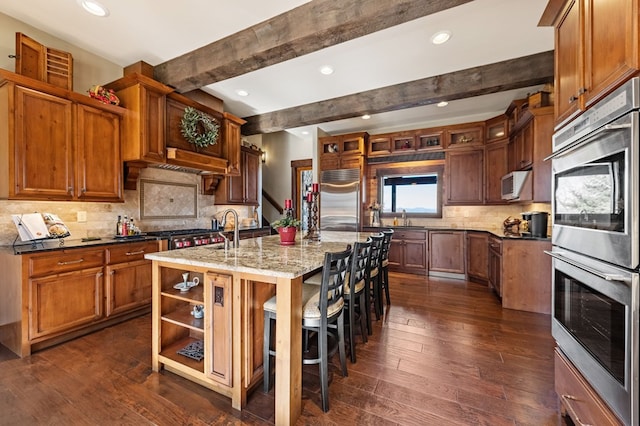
point(113, 272)
point(572, 99)
point(70, 190)
point(574, 415)
point(133, 253)
point(71, 262)
point(582, 90)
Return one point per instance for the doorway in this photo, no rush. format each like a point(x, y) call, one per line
point(301, 180)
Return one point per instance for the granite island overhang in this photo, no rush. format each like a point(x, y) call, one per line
point(234, 284)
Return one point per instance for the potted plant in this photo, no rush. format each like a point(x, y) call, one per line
point(286, 227)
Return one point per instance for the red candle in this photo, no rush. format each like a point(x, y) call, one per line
point(309, 197)
point(315, 187)
point(287, 204)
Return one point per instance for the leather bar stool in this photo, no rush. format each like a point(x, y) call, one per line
point(323, 315)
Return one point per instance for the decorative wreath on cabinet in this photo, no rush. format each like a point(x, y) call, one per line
point(198, 128)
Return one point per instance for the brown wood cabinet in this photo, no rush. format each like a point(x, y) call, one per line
point(469, 135)
point(530, 144)
point(408, 252)
point(464, 176)
point(495, 264)
point(56, 295)
point(447, 253)
point(592, 55)
point(144, 125)
point(242, 189)
point(57, 147)
point(478, 256)
point(496, 156)
point(577, 398)
point(343, 151)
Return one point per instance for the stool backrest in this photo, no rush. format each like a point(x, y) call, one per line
point(334, 272)
point(376, 251)
point(360, 261)
point(386, 244)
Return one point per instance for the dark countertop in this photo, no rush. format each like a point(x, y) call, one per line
point(27, 247)
point(506, 236)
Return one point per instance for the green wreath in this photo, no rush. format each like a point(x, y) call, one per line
point(198, 128)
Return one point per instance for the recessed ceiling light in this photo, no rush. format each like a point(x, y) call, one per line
point(326, 70)
point(304, 132)
point(366, 117)
point(441, 37)
point(241, 92)
point(94, 8)
point(442, 104)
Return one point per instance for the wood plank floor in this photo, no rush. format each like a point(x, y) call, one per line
point(445, 353)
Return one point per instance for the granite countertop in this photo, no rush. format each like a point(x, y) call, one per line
point(264, 255)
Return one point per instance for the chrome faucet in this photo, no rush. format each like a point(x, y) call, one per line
point(236, 233)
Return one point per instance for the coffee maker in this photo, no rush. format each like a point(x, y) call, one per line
point(537, 223)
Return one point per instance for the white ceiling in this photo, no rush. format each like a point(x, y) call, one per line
point(155, 31)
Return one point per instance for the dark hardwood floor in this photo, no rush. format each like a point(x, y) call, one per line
point(445, 353)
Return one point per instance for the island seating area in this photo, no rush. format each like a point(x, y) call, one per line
point(445, 352)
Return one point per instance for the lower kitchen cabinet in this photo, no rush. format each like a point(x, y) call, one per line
point(478, 256)
point(447, 253)
point(520, 273)
point(408, 252)
point(56, 295)
point(495, 264)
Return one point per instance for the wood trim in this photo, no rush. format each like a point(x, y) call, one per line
point(551, 13)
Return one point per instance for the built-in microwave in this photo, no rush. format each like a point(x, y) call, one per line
point(515, 184)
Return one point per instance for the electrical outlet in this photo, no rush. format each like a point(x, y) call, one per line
point(82, 216)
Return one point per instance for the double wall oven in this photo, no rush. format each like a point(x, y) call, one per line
point(595, 167)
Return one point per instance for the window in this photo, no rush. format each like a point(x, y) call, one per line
point(418, 193)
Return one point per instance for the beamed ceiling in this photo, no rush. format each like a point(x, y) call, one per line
point(385, 64)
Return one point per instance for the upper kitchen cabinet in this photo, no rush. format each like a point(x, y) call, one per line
point(59, 145)
point(470, 135)
point(596, 49)
point(530, 144)
point(144, 124)
point(342, 151)
point(464, 176)
point(242, 189)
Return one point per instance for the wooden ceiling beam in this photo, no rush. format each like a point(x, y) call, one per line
point(498, 77)
point(305, 29)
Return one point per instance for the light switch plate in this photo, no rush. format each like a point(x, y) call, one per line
point(82, 216)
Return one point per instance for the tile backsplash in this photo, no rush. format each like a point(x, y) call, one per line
point(101, 217)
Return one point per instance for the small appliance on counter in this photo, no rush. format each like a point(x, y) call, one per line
point(536, 223)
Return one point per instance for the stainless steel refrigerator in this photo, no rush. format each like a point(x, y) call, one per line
point(340, 200)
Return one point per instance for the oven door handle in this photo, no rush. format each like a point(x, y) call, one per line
point(603, 275)
point(578, 143)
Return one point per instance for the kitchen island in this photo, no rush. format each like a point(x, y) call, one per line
point(233, 286)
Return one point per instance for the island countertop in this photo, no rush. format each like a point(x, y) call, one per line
point(264, 254)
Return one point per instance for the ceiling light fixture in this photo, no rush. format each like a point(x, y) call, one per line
point(326, 70)
point(304, 132)
point(94, 8)
point(441, 37)
point(366, 117)
point(442, 104)
point(242, 93)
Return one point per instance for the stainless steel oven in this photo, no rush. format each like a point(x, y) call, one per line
point(595, 324)
point(595, 180)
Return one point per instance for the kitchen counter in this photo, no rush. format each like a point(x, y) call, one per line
point(26, 247)
point(504, 235)
point(258, 263)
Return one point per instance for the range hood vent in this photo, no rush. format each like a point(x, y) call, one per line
point(175, 168)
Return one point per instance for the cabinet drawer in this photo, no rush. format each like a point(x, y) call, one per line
point(130, 251)
point(64, 261)
point(578, 399)
point(410, 235)
point(495, 244)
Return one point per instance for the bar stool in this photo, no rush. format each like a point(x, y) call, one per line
point(372, 290)
point(322, 313)
point(384, 264)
